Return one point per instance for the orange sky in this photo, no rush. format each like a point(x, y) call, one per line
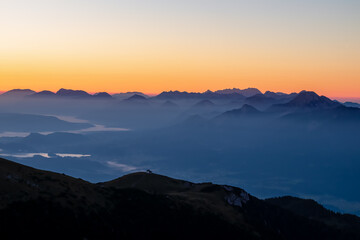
point(190, 46)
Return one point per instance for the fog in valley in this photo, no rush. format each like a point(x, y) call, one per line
point(271, 144)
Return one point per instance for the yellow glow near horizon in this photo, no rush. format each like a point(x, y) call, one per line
point(185, 45)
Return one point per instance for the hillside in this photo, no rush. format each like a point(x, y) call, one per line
point(41, 204)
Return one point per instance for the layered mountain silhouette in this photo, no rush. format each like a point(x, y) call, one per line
point(43, 94)
point(244, 115)
point(72, 93)
point(62, 93)
point(340, 114)
point(309, 100)
point(245, 92)
point(252, 96)
point(102, 95)
point(177, 95)
point(18, 93)
point(40, 204)
point(352, 104)
point(136, 97)
point(128, 94)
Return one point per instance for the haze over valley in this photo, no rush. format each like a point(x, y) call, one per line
point(269, 143)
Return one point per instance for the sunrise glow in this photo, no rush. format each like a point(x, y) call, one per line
point(153, 46)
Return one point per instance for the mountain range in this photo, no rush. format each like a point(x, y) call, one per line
point(42, 205)
point(251, 96)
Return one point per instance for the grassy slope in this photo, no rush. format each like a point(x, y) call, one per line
point(140, 205)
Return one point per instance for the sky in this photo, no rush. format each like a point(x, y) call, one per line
point(188, 45)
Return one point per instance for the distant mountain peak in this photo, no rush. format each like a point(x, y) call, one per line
point(102, 95)
point(197, 95)
point(208, 92)
point(309, 99)
point(308, 93)
point(72, 93)
point(136, 97)
point(18, 93)
point(248, 92)
point(177, 94)
point(126, 95)
point(43, 94)
point(245, 111)
point(246, 108)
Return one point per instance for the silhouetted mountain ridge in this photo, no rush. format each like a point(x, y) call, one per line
point(18, 93)
point(310, 100)
point(67, 93)
point(136, 97)
point(177, 95)
point(72, 93)
point(248, 92)
point(128, 94)
point(147, 205)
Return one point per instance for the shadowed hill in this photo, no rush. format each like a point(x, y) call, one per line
point(146, 205)
point(310, 209)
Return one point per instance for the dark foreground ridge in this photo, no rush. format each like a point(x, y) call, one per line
point(45, 205)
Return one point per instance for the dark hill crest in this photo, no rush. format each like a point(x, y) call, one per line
point(146, 205)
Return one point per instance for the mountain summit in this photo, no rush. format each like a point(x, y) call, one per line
point(18, 93)
point(72, 93)
point(309, 100)
point(248, 92)
point(136, 97)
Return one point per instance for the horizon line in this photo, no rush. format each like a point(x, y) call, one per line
point(152, 94)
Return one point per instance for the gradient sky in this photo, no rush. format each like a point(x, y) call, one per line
point(192, 45)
